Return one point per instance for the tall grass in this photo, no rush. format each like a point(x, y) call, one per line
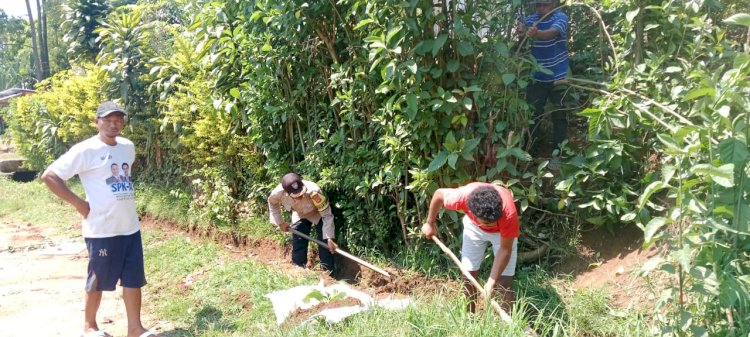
point(575, 312)
point(172, 204)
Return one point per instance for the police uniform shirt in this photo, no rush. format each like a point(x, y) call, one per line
point(312, 205)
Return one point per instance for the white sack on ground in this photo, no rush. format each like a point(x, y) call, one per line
point(335, 315)
point(285, 302)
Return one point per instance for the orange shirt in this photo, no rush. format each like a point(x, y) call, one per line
point(457, 199)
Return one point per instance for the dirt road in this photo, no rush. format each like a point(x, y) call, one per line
point(42, 294)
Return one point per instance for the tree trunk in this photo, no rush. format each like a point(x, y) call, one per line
point(43, 46)
point(35, 49)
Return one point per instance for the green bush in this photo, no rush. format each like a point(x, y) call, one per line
point(381, 102)
point(61, 114)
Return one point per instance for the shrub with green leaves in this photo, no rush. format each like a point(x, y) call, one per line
point(685, 119)
point(61, 114)
point(380, 103)
point(82, 18)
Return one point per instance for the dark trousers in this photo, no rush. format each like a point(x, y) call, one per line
point(537, 94)
point(299, 245)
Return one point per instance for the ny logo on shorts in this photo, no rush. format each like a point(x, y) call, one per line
point(102, 252)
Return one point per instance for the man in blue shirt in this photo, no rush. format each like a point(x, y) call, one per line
point(548, 29)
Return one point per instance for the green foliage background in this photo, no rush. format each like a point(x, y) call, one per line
point(382, 102)
point(46, 124)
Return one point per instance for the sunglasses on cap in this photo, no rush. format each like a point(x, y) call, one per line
point(298, 194)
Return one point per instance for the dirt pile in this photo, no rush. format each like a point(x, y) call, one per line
point(611, 260)
point(301, 315)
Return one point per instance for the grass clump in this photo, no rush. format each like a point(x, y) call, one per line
point(591, 314)
point(164, 203)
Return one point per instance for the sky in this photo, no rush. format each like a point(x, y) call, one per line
point(17, 7)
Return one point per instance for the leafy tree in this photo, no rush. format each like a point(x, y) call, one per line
point(15, 53)
point(82, 18)
point(41, 9)
point(57, 48)
point(350, 94)
point(692, 191)
point(124, 56)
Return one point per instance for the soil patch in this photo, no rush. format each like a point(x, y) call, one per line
point(39, 288)
point(245, 298)
point(301, 315)
point(273, 253)
point(611, 260)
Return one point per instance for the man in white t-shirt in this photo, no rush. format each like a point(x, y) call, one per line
point(110, 223)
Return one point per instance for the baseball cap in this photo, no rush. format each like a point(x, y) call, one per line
point(292, 184)
point(107, 108)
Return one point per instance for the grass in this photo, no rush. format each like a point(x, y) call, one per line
point(33, 202)
point(164, 203)
point(226, 297)
point(582, 312)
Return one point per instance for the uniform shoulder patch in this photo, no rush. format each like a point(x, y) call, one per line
point(319, 200)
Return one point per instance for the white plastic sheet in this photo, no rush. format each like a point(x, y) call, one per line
point(285, 302)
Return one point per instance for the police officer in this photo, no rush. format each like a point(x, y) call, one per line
point(309, 206)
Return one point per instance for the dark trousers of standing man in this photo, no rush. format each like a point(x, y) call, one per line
point(299, 245)
point(537, 94)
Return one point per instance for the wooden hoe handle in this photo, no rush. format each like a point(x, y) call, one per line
point(503, 315)
point(344, 254)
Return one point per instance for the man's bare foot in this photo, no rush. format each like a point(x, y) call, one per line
point(143, 333)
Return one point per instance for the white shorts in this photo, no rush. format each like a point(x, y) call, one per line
point(474, 246)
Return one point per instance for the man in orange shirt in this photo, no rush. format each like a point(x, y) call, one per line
point(489, 217)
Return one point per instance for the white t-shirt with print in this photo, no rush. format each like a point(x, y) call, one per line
point(104, 171)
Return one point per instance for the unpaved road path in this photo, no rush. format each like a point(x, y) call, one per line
point(42, 295)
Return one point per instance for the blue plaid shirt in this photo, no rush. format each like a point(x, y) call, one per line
point(551, 54)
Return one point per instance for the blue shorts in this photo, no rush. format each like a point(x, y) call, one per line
point(115, 258)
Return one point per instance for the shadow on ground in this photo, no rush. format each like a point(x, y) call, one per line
point(209, 318)
point(176, 333)
point(542, 298)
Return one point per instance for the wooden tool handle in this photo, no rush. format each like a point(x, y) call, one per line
point(503, 315)
point(343, 253)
